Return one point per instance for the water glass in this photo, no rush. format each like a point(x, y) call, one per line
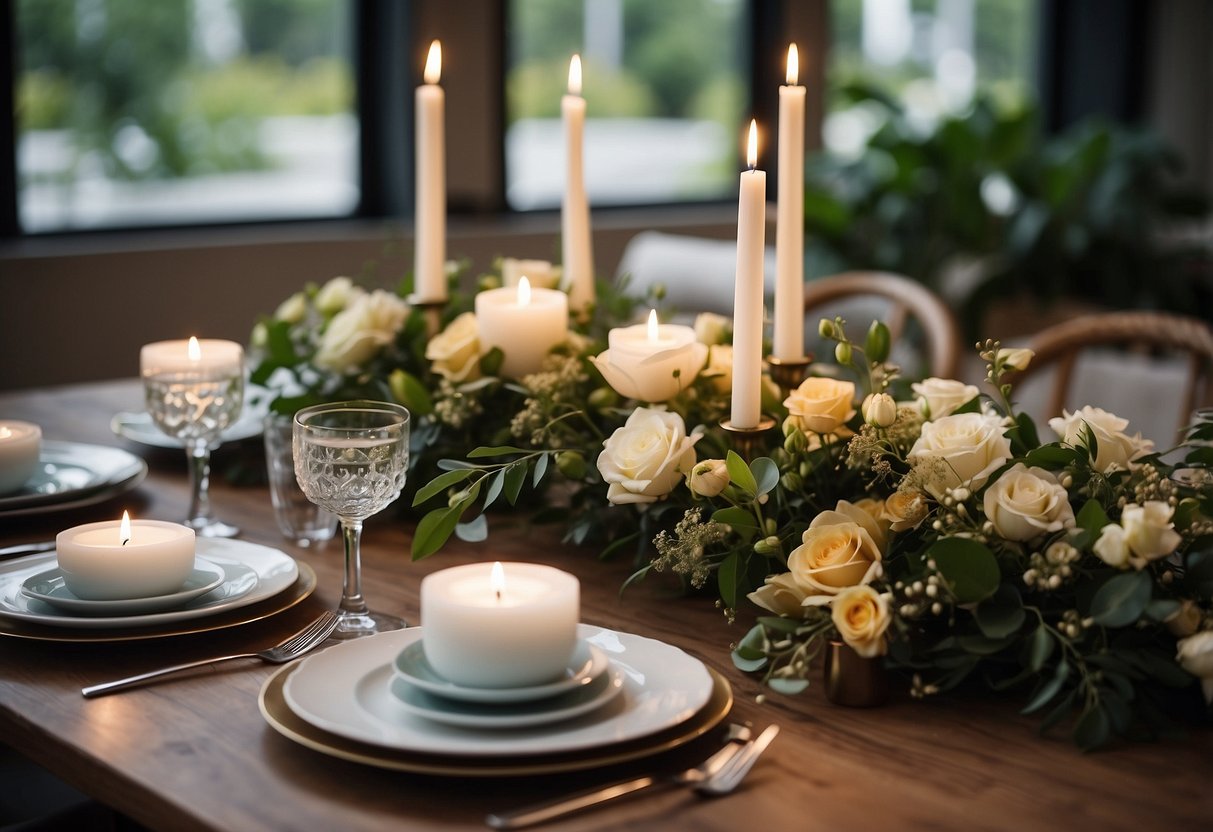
point(301, 521)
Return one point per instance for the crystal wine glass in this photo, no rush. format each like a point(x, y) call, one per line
point(194, 390)
point(352, 458)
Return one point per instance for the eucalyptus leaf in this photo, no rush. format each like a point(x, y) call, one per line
point(1122, 599)
point(1092, 517)
point(726, 579)
point(434, 530)
point(541, 467)
point(740, 520)
point(739, 473)
point(1001, 614)
point(1040, 648)
point(496, 483)
point(474, 531)
point(788, 687)
point(969, 567)
point(515, 476)
point(1093, 729)
point(441, 483)
point(1048, 689)
point(494, 450)
point(766, 474)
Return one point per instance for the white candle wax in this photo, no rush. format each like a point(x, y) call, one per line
point(575, 242)
point(651, 362)
point(789, 226)
point(524, 323)
point(429, 267)
point(477, 637)
point(96, 565)
point(20, 449)
point(747, 296)
point(214, 360)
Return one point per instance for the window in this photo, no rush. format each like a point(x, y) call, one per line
point(180, 111)
point(665, 84)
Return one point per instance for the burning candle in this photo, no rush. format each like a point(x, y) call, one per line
point(575, 243)
point(651, 362)
point(524, 322)
point(119, 559)
point(747, 296)
point(429, 268)
point(499, 626)
point(789, 225)
point(20, 449)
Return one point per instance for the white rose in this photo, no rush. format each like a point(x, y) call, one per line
point(647, 457)
point(781, 595)
point(962, 449)
point(712, 329)
point(357, 333)
point(708, 478)
point(1195, 655)
point(336, 295)
point(1111, 547)
point(292, 309)
point(1117, 450)
point(635, 371)
point(861, 615)
point(1025, 503)
point(1149, 531)
point(879, 410)
point(720, 367)
point(941, 396)
point(821, 405)
point(454, 353)
point(1016, 359)
point(540, 273)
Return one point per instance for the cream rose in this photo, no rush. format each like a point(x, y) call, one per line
point(861, 615)
point(904, 510)
point(1025, 503)
point(1111, 546)
point(708, 478)
point(1195, 655)
point(293, 309)
point(941, 396)
point(781, 595)
point(336, 295)
point(720, 367)
point(454, 353)
point(712, 329)
point(643, 460)
point(540, 273)
point(1149, 532)
point(1186, 620)
point(821, 405)
point(879, 410)
point(865, 512)
point(961, 449)
point(1016, 359)
point(833, 556)
point(361, 330)
point(1116, 451)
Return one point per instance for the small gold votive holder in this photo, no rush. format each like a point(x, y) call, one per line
point(747, 441)
point(432, 310)
point(852, 680)
point(788, 373)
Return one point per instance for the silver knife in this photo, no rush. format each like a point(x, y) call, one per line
point(10, 552)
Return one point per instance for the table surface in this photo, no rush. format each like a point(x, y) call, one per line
point(195, 753)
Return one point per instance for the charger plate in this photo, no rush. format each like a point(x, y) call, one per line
point(281, 718)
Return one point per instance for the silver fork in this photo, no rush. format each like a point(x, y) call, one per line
point(730, 775)
point(286, 651)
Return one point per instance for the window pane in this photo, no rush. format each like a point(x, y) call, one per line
point(181, 111)
point(664, 84)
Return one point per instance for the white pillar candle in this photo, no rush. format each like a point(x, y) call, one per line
point(575, 243)
point(651, 362)
point(789, 224)
point(524, 322)
point(117, 559)
point(20, 449)
point(429, 234)
point(513, 630)
point(747, 296)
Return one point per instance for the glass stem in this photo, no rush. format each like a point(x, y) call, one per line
point(200, 477)
point(351, 593)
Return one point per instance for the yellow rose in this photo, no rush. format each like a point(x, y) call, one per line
point(861, 615)
point(865, 512)
point(905, 510)
point(454, 353)
point(781, 595)
point(821, 405)
point(834, 556)
point(720, 367)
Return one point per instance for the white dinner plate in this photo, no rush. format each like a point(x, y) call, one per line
point(70, 474)
point(137, 426)
point(580, 700)
point(586, 664)
point(662, 687)
point(50, 587)
point(252, 573)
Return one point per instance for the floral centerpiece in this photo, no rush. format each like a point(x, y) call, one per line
point(924, 526)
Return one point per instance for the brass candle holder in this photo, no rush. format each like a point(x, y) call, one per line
point(788, 373)
point(747, 441)
point(432, 310)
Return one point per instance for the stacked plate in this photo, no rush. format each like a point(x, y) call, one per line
point(377, 701)
point(70, 475)
point(233, 582)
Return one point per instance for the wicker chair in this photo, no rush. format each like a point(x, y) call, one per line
point(1154, 334)
point(905, 300)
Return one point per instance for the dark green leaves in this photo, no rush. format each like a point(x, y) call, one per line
point(1122, 599)
point(969, 567)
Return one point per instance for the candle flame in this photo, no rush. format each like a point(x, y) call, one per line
point(433, 63)
point(497, 579)
point(793, 65)
point(575, 75)
point(654, 330)
point(751, 154)
point(524, 291)
point(5, 433)
point(194, 351)
point(124, 528)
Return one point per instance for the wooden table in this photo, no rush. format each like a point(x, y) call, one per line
point(195, 753)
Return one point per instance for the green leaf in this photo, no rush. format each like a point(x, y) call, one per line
point(515, 476)
point(788, 687)
point(494, 450)
point(1198, 567)
point(541, 467)
point(1122, 599)
point(739, 473)
point(474, 531)
point(496, 482)
point(740, 520)
point(787, 626)
point(979, 645)
point(1027, 431)
point(1092, 517)
point(766, 474)
point(1051, 456)
point(969, 567)
point(726, 579)
point(1060, 711)
point(749, 654)
point(410, 392)
point(973, 405)
point(876, 345)
point(441, 483)
point(1001, 614)
point(435, 529)
point(1160, 609)
point(1049, 689)
point(1040, 648)
point(1093, 729)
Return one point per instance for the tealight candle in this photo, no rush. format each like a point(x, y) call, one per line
point(524, 322)
point(20, 448)
point(651, 362)
point(118, 559)
point(500, 625)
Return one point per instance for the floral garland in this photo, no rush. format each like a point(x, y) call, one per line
point(924, 525)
